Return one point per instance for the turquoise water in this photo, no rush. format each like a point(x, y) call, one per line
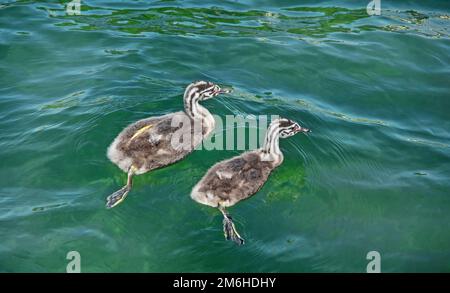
point(373, 175)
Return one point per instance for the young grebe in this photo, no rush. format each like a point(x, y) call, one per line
point(230, 181)
point(149, 143)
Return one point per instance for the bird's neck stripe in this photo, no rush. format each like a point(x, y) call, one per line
point(191, 103)
point(271, 143)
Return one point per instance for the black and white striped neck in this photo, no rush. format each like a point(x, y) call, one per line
point(196, 111)
point(191, 106)
point(271, 143)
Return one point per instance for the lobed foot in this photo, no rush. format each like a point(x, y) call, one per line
point(117, 197)
point(230, 231)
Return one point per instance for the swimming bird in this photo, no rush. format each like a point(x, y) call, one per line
point(156, 142)
point(230, 181)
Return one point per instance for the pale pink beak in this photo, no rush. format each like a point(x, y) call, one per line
point(298, 128)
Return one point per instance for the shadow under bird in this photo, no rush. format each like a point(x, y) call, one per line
point(147, 144)
point(230, 181)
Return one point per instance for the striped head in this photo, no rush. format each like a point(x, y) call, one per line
point(287, 128)
point(283, 128)
point(203, 90)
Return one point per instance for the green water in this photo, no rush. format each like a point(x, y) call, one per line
point(373, 175)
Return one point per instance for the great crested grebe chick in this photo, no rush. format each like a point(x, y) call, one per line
point(147, 144)
point(230, 181)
